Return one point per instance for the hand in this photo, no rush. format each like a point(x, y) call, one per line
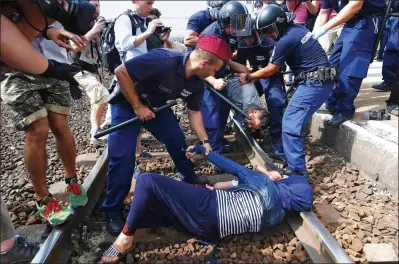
point(60, 36)
point(242, 76)
point(250, 68)
point(74, 89)
point(144, 113)
point(190, 152)
point(153, 25)
point(60, 71)
point(98, 26)
point(207, 147)
point(165, 36)
point(317, 33)
point(209, 187)
point(219, 84)
point(274, 175)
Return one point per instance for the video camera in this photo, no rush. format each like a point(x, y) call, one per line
point(162, 29)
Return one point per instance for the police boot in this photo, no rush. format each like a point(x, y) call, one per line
point(324, 110)
point(114, 225)
point(338, 119)
point(200, 180)
point(384, 86)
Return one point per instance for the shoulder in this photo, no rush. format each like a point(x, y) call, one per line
point(198, 14)
point(294, 33)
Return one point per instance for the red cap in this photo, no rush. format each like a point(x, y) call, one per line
point(216, 46)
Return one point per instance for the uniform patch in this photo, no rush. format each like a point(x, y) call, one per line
point(306, 38)
point(163, 88)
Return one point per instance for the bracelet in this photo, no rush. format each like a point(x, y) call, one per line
point(202, 142)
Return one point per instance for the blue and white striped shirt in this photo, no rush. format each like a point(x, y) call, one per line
point(238, 212)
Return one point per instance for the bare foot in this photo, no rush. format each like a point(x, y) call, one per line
point(122, 244)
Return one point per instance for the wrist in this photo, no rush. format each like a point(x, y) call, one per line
point(204, 141)
point(248, 78)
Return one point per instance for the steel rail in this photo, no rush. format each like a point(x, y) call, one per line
point(58, 246)
point(320, 245)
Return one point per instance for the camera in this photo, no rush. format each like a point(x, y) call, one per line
point(162, 29)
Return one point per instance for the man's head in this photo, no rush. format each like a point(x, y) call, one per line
point(96, 3)
point(155, 13)
point(143, 7)
point(233, 17)
point(257, 115)
point(209, 56)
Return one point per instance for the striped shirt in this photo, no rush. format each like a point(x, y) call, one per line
point(239, 212)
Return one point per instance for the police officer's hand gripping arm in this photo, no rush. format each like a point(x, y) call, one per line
point(263, 73)
point(128, 89)
point(322, 25)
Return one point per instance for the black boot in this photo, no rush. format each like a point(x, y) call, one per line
point(338, 119)
point(114, 226)
point(384, 86)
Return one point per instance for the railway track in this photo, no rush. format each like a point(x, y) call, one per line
point(319, 244)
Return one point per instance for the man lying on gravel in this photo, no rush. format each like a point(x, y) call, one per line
point(251, 204)
point(246, 97)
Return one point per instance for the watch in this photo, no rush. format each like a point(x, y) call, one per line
point(202, 142)
point(248, 79)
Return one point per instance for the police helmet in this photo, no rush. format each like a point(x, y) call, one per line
point(215, 6)
point(236, 15)
point(273, 19)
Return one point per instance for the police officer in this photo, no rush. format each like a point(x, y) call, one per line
point(390, 59)
point(258, 52)
point(201, 20)
point(352, 51)
point(214, 110)
point(180, 75)
point(313, 76)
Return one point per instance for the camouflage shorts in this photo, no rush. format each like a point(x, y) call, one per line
point(31, 97)
point(95, 90)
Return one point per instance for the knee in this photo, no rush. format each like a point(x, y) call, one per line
point(59, 126)
point(38, 131)
point(147, 178)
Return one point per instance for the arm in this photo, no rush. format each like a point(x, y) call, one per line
point(312, 6)
point(218, 84)
point(128, 89)
point(322, 18)
point(97, 29)
point(264, 73)
point(22, 56)
point(345, 14)
point(291, 5)
point(191, 38)
point(197, 124)
point(238, 67)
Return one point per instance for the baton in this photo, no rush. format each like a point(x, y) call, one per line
point(131, 121)
point(227, 100)
point(381, 29)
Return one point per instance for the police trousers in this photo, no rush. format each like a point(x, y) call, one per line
point(390, 59)
point(215, 113)
point(352, 54)
point(308, 97)
point(122, 148)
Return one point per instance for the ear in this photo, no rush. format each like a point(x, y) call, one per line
point(204, 63)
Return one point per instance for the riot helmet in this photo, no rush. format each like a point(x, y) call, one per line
point(215, 6)
point(234, 14)
point(272, 21)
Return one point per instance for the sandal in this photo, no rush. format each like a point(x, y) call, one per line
point(113, 252)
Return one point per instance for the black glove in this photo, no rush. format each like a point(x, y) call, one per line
point(76, 93)
point(60, 71)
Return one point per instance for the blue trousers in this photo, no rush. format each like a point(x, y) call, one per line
point(215, 113)
point(276, 103)
point(122, 148)
point(163, 202)
point(308, 97)
point(383, 43)
point(352, 53)
point(390, 59)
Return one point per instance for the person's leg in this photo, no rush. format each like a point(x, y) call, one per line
point(121, 154)
point(7, 231)
point(393, 101)
point(307, 99)
point(383, 43)
point(167, 130)
point(161, 202)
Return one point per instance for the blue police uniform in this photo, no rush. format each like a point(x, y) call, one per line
point(161, 82)
point(199, 21)
point(303, 54)
point(215, 111)
point(352, 53)
point(391, 58)
point(258, 57)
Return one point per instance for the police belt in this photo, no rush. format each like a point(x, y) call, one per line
point(322, 74)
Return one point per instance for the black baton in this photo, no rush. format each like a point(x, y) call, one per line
point(227, 101)
point(131, 121)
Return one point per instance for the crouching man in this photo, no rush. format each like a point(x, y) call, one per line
point(163, 75)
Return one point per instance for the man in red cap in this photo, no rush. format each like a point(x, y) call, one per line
point(163, 75)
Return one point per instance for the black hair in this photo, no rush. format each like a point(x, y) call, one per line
point(155, 12)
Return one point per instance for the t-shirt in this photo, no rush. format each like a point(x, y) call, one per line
point(301, 14)
point(161, 75)
point(199, 21)
point(300, 50)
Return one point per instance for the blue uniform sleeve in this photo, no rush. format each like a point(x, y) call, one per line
point(194, 23)
point(144, 66)
point(194, 100)
point(326, 4)
point(281, 52)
